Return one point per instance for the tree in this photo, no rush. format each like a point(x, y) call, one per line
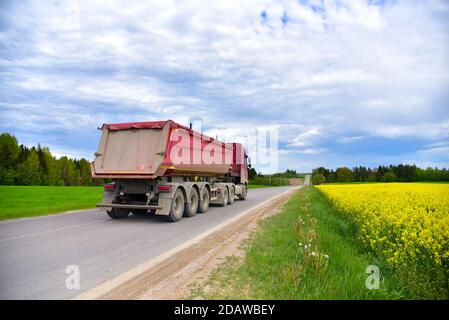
point(380, 172)
point(364, 174)
point(318, 179)
point(390, 177)
point(69, 173)
point(331, 177)
point(252, 173)
point(28, 172)
point(49, 165)
point(402, 173)
point(85, 174)
point(343, 174)
point(356, 175)
point(9, 153)
point(321, 170)
point(360, 174)
point(287, 174)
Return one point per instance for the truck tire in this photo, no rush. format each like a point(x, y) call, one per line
point(244, 193)
point(191, 207)
point(231, 195)
point(203, 205)
point(225, 197)
point(118, 213)
point(177, 207)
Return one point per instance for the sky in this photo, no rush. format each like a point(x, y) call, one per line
point(343, 82)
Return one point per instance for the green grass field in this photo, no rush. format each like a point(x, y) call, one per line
point(30, 201)
point(276, 265)
point(20, 201)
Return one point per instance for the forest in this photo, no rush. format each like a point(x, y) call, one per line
point(391, 173)
point(21, 165)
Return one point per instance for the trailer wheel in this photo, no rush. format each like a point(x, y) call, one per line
point(118, 213)
point(191, 208)
point(177, 207)
point(203, 205)
point(231, 195)
point(111, 214)
point(225, 197)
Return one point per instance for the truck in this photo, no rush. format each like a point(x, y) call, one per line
point(166, 169)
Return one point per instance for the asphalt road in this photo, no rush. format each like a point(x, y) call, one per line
point(35, 252)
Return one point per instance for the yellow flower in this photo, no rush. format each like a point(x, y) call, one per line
point(404, 221)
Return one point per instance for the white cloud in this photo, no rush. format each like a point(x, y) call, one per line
point(436, 148)
point(436, 130)
point(444, 150)
point(349, 139)
point(340, 73)
point(306, 138)
point(302, 151)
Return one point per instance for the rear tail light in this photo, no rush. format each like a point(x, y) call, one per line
point(165, 188)
point(109, 186)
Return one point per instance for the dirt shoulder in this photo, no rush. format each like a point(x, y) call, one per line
point(171, 277)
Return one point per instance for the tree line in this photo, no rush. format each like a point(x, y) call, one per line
point(391, 173)
point(289, 173)
point(20, 165)
point(275, 180)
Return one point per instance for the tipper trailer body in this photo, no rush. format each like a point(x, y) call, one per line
point(164, 168)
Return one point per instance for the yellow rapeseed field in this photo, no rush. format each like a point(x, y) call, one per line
point(407, 223)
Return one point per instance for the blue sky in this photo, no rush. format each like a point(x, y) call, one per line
point(343, 82)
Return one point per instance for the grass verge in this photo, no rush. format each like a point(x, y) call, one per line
point(278, 265)
point(29, 201)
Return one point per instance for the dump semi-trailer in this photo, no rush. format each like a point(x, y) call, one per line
point(167, 169)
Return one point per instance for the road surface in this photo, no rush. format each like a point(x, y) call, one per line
point(35, 252)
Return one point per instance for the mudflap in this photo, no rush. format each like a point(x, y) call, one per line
point(108, 197)
point(165, 203)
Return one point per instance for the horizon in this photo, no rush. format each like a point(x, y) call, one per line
point(343, 83)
